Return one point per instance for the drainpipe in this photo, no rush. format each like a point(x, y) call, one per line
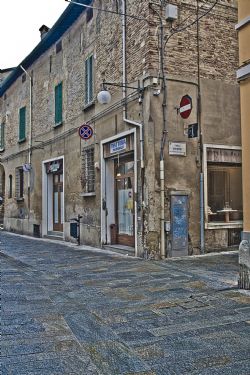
point(124, 89)
point(125, 119)
point(30, 133)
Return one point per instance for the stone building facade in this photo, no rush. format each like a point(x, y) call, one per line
point(149, 174)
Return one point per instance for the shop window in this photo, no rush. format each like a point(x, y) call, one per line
point(19, 183)
point(88, 170)
point(89, 80)
point(224, 185)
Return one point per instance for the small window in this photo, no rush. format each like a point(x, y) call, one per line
point(50, 63)
point(23, 77)
point(19, 183)
point(88, 170)
point(2, 137)
point(10, 186)
point(59, 46)
point(58, 104)
point(89, 80)
point(89, 14)
point(224, 193)
point(22, 124)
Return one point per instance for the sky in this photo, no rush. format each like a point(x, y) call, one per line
point(20, 21)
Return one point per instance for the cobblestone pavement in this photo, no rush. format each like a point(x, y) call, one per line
point(67, 311)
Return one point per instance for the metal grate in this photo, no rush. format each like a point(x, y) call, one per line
point(88, 170)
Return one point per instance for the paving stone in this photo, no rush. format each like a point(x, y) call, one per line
point(68, 311)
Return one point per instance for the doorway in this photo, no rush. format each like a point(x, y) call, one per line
point(124, 200)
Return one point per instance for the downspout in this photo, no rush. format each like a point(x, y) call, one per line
point(125, 119)
point(30, 133)
point(163, 142)
point(202, 223)
point(124, 89)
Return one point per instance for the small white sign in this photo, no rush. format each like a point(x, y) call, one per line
point(119, 145)
point(178, 148)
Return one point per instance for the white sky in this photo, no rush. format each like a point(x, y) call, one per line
point(20, 21)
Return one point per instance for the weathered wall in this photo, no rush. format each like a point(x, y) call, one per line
point(102, 37)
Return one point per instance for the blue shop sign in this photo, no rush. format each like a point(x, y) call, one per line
point(117, 146)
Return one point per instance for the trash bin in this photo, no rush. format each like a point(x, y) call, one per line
point(113, 234)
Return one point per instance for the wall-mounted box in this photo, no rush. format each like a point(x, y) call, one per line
point(171, 12)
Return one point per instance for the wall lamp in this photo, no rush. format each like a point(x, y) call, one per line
point(104, 96)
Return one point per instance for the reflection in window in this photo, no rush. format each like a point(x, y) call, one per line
point(224, 193)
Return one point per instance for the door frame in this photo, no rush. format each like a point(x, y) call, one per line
point(47, 195)
point(105, 233)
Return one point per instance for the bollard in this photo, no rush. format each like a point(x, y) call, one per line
point(244, 264)
point(72, 232)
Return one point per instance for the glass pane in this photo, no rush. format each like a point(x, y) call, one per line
point(56, 208)
point(125, 209)
point(62, 211)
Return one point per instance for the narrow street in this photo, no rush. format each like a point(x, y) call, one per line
point(68, 310)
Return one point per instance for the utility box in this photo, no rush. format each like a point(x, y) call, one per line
point(74, 230)
point(171, 12)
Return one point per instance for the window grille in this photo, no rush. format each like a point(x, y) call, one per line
point(88, 170)
point(19, 183)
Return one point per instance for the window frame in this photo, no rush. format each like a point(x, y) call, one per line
point(222, 224)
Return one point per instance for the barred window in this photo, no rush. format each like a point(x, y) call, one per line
point(19, 183)
point(88, 170)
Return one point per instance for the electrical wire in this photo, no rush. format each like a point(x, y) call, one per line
point(192, 23)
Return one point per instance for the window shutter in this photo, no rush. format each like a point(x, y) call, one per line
point(89, 81)
point(90, 78)
point(22, 123)
point(1, 136)
point(86, 82)
point(58, 104)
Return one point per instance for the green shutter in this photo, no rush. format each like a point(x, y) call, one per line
point(22, 123)
point(58, 104)
point(86, 82)
point(89, 80)
point(1, 136)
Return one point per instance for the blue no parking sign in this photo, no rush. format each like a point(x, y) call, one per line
point(85, 131)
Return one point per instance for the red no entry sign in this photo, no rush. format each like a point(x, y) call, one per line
point(85, 131)
point(185, 106)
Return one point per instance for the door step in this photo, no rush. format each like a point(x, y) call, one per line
point(121, 249)
point(54, 235)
